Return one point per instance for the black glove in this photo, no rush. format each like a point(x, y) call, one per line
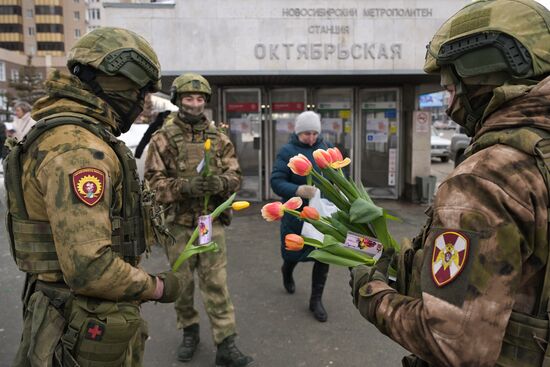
point(214, 185)
point(194, 187)
point(172, 287)
point(362, 274)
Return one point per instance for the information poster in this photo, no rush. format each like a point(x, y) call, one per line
point(242, 127)
point(377, 130)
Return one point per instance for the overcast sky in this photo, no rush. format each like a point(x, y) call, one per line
point(545, 3)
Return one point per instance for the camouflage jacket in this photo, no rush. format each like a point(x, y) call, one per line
point(82, 233)
point(167, 175)
point(483, 253)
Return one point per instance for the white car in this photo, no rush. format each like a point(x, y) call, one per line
point(132, 138)
point(440, 147)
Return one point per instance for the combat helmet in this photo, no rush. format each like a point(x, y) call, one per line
point(491, 42)
point(189, 83)
point(117, 51)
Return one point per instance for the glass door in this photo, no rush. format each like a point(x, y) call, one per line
point(379, 144)
point(242, 113)
point(285, 106)
point(335, 106)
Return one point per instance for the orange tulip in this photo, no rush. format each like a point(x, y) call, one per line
point(293, 203)
point(300, 165)
point(293, 242)
point(309, 212)
point(322, 158)
point(273, 211)
point(335, 154)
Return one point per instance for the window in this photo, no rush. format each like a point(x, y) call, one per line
point(48, 10)
point(31, 31)
point(51, 46)
point(2, 71)
point(3, 100)
point(77, 15)
point(14, 46)
point(93, 14)
point(40, 76)
point(15, 74)
point(30, 13)
point(10, 10)
point(77, 33)
point(11, 28)
point(49, 28)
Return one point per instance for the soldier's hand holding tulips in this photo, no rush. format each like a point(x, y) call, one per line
point(214, 185)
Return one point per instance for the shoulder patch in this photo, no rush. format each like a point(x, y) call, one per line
point(449, 256)
point(88, 185)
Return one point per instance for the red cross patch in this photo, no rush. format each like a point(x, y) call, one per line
point(449, 256)
point(95, 331)
point(88, 185)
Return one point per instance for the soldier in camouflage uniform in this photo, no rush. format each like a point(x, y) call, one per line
point(473, 289)
point(173, 168)
point(74, 218)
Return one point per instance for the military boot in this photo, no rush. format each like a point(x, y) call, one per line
point(189, 344)
point(228, 355)
point(318, 280)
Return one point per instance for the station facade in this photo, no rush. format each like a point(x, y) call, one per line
point(357, 63)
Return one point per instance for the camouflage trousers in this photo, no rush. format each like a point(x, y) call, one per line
point(212, 276)
point(44, 326)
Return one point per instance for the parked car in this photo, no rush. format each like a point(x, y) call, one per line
point(132, 138)
point(445, 125)
point(440, 147)
point(459, 143)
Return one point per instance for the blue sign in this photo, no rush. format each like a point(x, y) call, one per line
point(432, 99)
point(390, 114)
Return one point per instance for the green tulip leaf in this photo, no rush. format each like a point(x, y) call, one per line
point(391, 217)
point(363, 211)
point(193, 250)
point(328, 258)
point(350, 254)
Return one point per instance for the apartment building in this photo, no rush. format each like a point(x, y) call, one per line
point(41, 27)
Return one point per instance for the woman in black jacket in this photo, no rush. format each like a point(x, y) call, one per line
point(305, 140)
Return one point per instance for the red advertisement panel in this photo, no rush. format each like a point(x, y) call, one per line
point(242, 107)
point(288, 106)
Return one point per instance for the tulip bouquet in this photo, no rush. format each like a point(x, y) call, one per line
point(355, 234)
point(192, 249)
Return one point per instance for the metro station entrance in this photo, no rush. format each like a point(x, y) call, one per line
point(363, 123)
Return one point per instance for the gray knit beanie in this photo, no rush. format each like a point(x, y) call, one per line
point(307, 121)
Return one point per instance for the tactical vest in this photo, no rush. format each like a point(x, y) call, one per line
point(191, 153)
point(526, 340)
point(189, 157)
point(31, 241)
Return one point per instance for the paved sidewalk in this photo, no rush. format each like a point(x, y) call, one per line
point(276, 328)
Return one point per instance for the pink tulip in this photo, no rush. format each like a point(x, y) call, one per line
point(273, 211)
point(322, 158)
point(300, 165)
point(293, 203)
point(335, 154)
